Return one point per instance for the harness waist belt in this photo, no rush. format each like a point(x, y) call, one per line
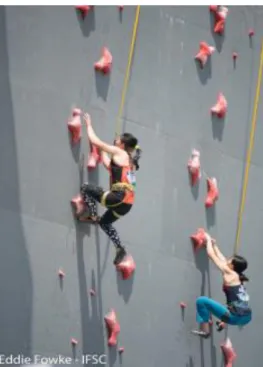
point(120, 186)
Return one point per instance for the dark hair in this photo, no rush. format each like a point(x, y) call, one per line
point(239, 266)
point(131, 143)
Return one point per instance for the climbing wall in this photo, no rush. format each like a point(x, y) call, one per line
point(46, 69)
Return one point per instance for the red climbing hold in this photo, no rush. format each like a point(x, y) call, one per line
point(120, 7)
point(220, 108)
point(74, 125)
point(210, 322)
point(198, 239)
point(78, 204)
point(212, 192)
point(113, 327)
point(74, 341)
point(105, 62)
point(94, 157)
point(234, 55)
point(84, 9)
point(194, 167)
point(61, 273)
point(183, 305)
point(220, 15)
point(204, 52)
point(92, 292)
point(127, 267)
point(213, 8)
point(121, 350)
point(228, 352)
point(251, 32)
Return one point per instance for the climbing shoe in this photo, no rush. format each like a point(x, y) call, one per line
point(201, 333)
point(120, 254)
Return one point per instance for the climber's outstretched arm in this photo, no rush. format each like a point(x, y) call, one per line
point(217, 251)
point(221, 264)
point(105, 159)
point(95, 140)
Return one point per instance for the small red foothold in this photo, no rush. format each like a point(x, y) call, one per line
point(210, 322)
point(220, 108)
point(204, 52)
point(120, 7)
point(234, 55)
point(127, 267)
point(212, 192)
point(74, 125)
point(121, 350)
point(78, 204)
point(194, 167)
point(92, 292)
point(94, 157)
point(61, 273)
point(251, 32)
point(228, 352)
point(84, 9)
point(113, 327)
point(105, 62)
point(183, 305)
point(74, 341)
point(198, 239)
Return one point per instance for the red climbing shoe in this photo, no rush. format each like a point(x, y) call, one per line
point(194, 167)
point(204, 52)
point(220, 325)
point(105, 62)
point(212, 192)
point(228, 352)
point(113, 327)
point(220, 108)
point(94, 157)
point(74, 125)
point(78, 204)
point(198, 239)
point(126, 267)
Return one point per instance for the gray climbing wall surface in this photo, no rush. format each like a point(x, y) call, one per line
point(46, 68)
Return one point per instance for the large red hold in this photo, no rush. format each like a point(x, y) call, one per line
point(84, 9)
point(113, 327)
point(94, 157)
point(220, 15)
point(105, 62)
point(74, 125)
point(212, 192)
point(228, 352)
point(198, 239)
point(78, 204)
point(127, 267)
point(204, 52)
point(220, 108)
point(194, 167)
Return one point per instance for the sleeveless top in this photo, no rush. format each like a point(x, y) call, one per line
point(237, 299)
point(123, 179)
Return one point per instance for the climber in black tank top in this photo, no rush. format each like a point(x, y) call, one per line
point(237, 310)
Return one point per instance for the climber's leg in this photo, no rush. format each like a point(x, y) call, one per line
point(109, 217)
point(91, 194)
point(204, 307)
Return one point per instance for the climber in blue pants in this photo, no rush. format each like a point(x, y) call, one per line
point(237, 310)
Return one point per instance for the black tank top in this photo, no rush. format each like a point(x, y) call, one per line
point(237, 299)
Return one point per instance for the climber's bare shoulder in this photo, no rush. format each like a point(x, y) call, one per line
point(121, 158)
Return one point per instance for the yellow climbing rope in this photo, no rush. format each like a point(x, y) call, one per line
point(249, 152)
point(128, 69)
